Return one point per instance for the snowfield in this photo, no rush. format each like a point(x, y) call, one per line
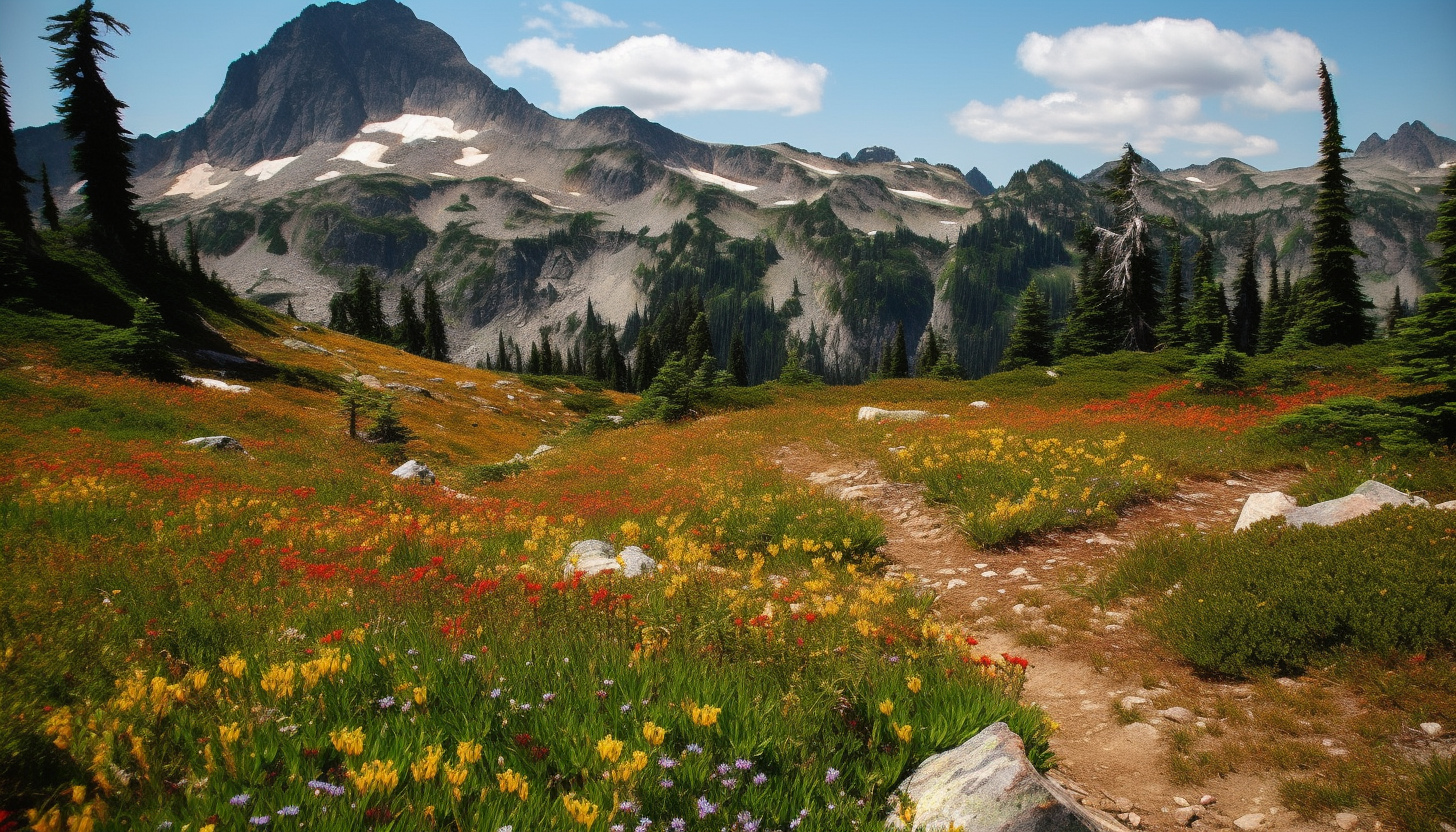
point(365, 153)
point(825, 171)
point(1193, 179)
point(196, 182)
point(268, 168)
point(920, 195)
point(787, 202)
point(324, 177)
point(413, 128)
point(470, 157)
point(715, 179)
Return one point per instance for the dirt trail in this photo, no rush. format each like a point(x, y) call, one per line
point(1005, 591)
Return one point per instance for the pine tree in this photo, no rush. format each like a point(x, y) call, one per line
point(700, 342)
point(1248, 308)
point(1129, 256)
point(1174, 322)
point(738, 359)
point(1276, 311)
point(409, 333)
point(194, 256)
point(14, 209)
point(289, 310)
point(1208, 319)
point(533, 366)
point(355, 399)
point(387, 427)
point(1332, 307)
point(48, 208)
point(91, 116)
point(437, 343)
point(1094, 325)
point(1030, 342)
point(1425, 343)
point(502, 360)
point(147, 346)
point(1394, 312)
point(899, 355)
point(929, 355)
point(617, 376)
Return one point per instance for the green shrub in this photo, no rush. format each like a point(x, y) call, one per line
point(1276, 598)
point(1350, 421)
point(737, 398)
point(479, 474)
point(588, 403)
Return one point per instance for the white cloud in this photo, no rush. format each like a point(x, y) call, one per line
point(1147, 82)
point(572, 16)
point(657, 74)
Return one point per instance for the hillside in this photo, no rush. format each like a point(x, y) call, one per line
point(412, 162)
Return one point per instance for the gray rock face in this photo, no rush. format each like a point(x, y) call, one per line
point(1333, 512)
point(215, 443)
point(593, 557)
point(303, 346)
point(413, 470)
point(1387, 496)
point(408, 388)
point(979, 183)
point(1413, 147)
point(876, 153)
point(988, 785)
point(1262, 506)
point(876, 414)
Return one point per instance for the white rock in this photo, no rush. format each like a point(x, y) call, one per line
point(1134, 820)
point(1250, 821)
point(1176, 714)
point(541, 449)
point(465, 385)
point(1388, 496)
point(368, 381)
point(1432, 729)
point(1180, 801)
point(295, 344)
point(988, 784)
point(990, 573)
point(227, 443)
point(1207, 800)
point(954, 583)
point(980, 404)
point(1130, 702)
point(876, 414)
point(1333, 512)
point(413, 470)
point(214, 384)
point(593, 557)
point(1346, 820)
point(1262, 506)
point(1141, 731)
point(1449, 505)
point(1018, 571)
point(1187, 815)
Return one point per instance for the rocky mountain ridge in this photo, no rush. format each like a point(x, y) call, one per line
point(360, 135)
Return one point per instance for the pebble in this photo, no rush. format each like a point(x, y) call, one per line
point(1432, 729)
point(1346, 821)
point(1249, 822)
point(990, 573)
point(1134, 820)
point(1141, 729)
point(1018, 571)
point(1176, 714)
point(1180, 801)
point(1207, 800)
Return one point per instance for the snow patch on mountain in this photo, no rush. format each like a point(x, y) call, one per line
point(787, 202)
point(1193, 179)
point(825, 171)
point(324, 177)
point(196, 182)
point(920, 195)
point(365, 153)
point(470, 157)
point(715, 179)
point(268, 168)
point(412, 128)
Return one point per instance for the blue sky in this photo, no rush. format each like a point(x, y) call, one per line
point(997, 86)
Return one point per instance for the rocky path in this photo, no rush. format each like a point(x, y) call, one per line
point(1086, 662)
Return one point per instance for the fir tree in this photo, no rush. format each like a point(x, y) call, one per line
point(899, 366)
point(14, 209)
point(387, 427)
point(1276, 311)
point(1094, 326)
point(533, 366)
point(1031, 334)
point(1208, 317)
point(289, 310)
point(1425, 343)
point(1248, 308)
point(147, 346)
point(1129, 256)
point(1332, 307)
point(738, 359)
point(437, 344)
point(354, 400)
point(550, 362)
point(1174, 321)
point(91, 116)
point(700, 342)
point(1394, 312)
point(48, 208)
point(929, 354)
point(502, 360)
point(194, 256)
point(617, 376)
point(409, 333)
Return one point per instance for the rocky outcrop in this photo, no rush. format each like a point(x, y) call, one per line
point(876, 153)
point(416, 471)
point(216, 443)
point(593, 557)
point(979, 183)
point(876, 414)
point(1413, 147)
point(988, 785)
point(1369, 497)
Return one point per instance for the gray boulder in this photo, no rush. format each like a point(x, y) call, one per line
point(988, 785)
point(408, 388)
point(413, 470)
point(303, 346)
point(1387, 496)
point(1333, 512)
point(1262, 506)
point(876, 414)
point(216, 443)
point(593, 557)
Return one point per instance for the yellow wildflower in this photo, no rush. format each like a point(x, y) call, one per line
point(278, 680)
point(653, 733)
point(229, 733)
point(425, 768)
point(913, 683)
point(580, 810)
point(609, 749)
point(349, 741)
point(903, 732)
point(421, 694)
point(233, 665)
point(887, 707)
point(509, 782)
point(376, 776)
point(455, 774)
point(706, 715)
point(468, 752)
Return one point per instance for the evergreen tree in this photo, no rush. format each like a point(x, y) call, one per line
point(533, 366)
point(738, 359)
point(146, 347)
point(289, 310)
point(1208, 319)
point(1174, 321)
point(1394, 312)
point(409, 333)
point(14, 209)
point(1094, 325)
point(1276, 311)
point(549, 360)
point(437, 344)
point(502, 360)
point(91, 116)
point(1425, 343)
point(793, 372)
point(1129, 256)
point(1031, 335)
point(387, 427)
point(194, 256)
point(699, 343)
point(899, 355)
point(1332, 307)
point(929, 354)
point(617, 376)
point(647, 359)
point(48, 208)
point(947, 368)
point(1248, 308)
point(354, 400)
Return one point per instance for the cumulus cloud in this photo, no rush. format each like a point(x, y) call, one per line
point(572, 16)
point(658, 74)
point(1147, 83)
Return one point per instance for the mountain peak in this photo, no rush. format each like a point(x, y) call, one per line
point(1412, 147)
